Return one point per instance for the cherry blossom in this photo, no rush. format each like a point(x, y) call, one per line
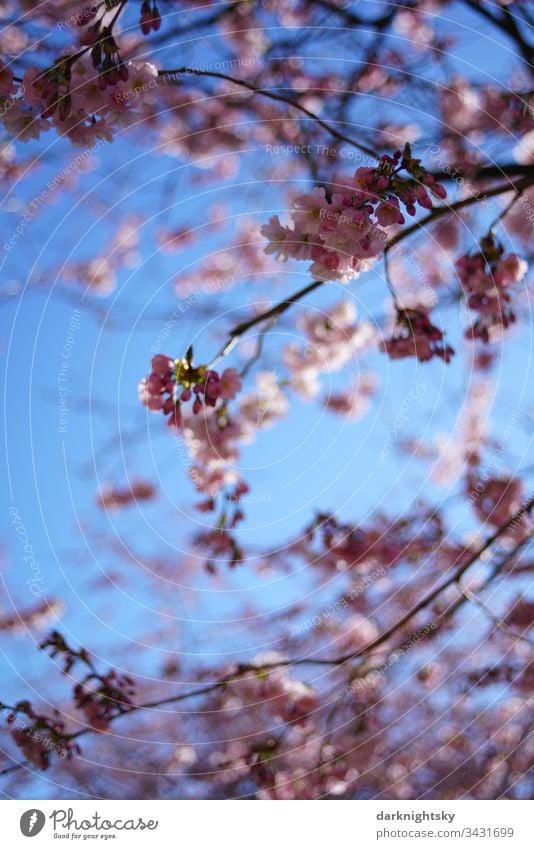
point(263, 624)
point(334, 338)
point(344, 235)
point(175, 382)
point(416, 336)
point(499, 499)
point(102, 697)
point(354, 402)
point(488, 277)
point(113, 498)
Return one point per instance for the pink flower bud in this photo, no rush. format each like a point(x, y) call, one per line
point(154, 383)
point(162, 364)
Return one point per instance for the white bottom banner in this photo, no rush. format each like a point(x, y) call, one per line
point(239, 824)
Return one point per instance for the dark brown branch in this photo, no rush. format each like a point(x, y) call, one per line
point(240, 329)
point(272, 96)
point(244, 669)
point(440, 211)
point(437, 591)
point(507, 23)
point(486, 172)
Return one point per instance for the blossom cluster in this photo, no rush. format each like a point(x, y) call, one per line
point(220, 544)
point(354, 401)
point(35, 616)
point(213, 440)
point(487, 277)
point(463, 448)
point(39, 736)
point(285, 697)
point(99, 697)
point(172, 383)
point(103, 697)
point(499, 499)
point(384, 543)
point(416, 336)
point(343, 234)
point(334, 337)
point(83, 102)
point(471, 110)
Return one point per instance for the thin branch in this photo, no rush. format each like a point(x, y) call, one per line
point(486, 172)
point(13, 768)
point(259, 350)
point(113, 21)
point(389, 282)
point(278, 97)
point(433, 594)
point(273, 313)
point(504, 785)
point(507, 24)
point(506, 210)
point(440, 211)
point(497, 621)
point(437, 213)
point(243, 669)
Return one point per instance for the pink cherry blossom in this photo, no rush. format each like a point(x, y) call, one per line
point(353, 402)
point(344, 235)
point(162, 365)
point(487, 277)
point(416, 336)
point(230, 384)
